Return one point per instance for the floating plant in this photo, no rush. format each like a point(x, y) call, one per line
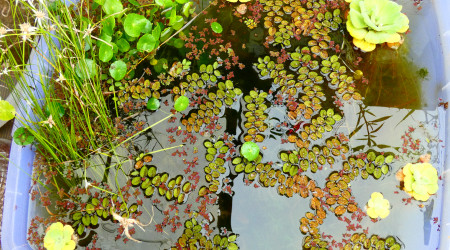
point(216, 153)
point(250, 150)
point(150, 181)
point(192, 237)
point(216, 27)
point(181, 103)
point(370, 27)
point(153, 104)
point(89, 217)
point(7, 111)
point(420, 180)
point(362, 240)
point(255, 125)
point(377, 206)
point(59, 236)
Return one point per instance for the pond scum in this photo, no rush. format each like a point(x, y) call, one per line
point(272, 54)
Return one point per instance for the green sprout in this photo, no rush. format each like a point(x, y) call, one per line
point(378, 206)
point(59, 237)
point(372, 22)
point(250, 150)
point(420, 180)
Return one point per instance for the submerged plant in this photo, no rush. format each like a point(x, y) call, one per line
point(372, 22)
point(378, 206)
point(59, 237)
point(420, 180)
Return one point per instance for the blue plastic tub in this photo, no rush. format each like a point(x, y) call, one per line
point(18, 209)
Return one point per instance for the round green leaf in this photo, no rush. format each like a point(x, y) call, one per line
point(7, 111)
point(86, 70)
point(112, 6)
point(165, 34)
point(123, 45)
point(22, 137)
point(118, 70)
point(153, 104)
point(250, 150)
point(105, 52)
point(108, 25)
point(177, 22)
point(148, 26)
point(186, 10)
point(181, 103)
point(178, 43)
point(216, 27)
point(134, 24)
point(146, 43)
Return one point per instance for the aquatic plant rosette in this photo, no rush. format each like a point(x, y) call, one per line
point(372, 22)
point(378, 206)
point(421, 180)
point(59, 237)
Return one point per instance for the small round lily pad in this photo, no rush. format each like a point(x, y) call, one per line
point(250, 150)
point(216, 27)
point(23, 137)
point(153, 104)
point(181, 103)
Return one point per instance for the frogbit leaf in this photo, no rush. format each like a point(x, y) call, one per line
point(123, 45)
point(105, 52)
point(22, 137)
point(7, 111)
point(216, 27)
point(146, 43)
point(134, 24)
point(181, 103)
point(153, 104)
point(112, 6)
point(250, 150)
point(118, 70)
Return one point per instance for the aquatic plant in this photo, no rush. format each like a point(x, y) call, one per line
point(7, 111)
point(372, 22)
point(420, 180)
point(153, 104)
point(377, 206)
point(250, 150)
point(181, 103)
point(59, 237)
point(216, 27)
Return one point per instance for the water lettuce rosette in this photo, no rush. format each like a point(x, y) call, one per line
point(378, 206)
point(372, 22)
point(59, 237)
point(421, 180)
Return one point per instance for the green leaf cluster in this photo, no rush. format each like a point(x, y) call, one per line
point(59, 237)
point(372, 22)
point(124, 32)
point(421, 180)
